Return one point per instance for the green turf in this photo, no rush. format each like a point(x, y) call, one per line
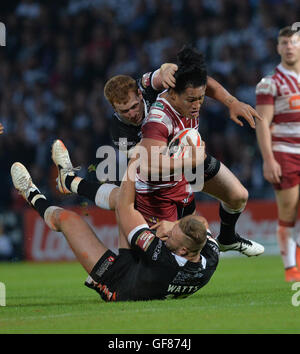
point(246, 295)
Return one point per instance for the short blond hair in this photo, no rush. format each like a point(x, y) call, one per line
point(116, 89)
point(196, 232)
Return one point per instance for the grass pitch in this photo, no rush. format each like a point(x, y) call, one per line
point(246, 295)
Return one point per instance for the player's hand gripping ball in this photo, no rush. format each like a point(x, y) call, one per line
point(178, 145)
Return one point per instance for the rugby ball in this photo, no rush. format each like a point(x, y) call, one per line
point(177, 146)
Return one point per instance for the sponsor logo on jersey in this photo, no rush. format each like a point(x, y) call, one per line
point(294, 102)
point(157, 250)
point(158, 105)
point(144, 240)
point(105, 265)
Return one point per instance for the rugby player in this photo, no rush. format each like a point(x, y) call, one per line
point(219, 181)
point(278, 102)
point(174, 110)
point(147, 267)
point(131, 100)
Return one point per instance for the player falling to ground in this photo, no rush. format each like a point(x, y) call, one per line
point(176, 109)
point(148, 267)
point(278, 135)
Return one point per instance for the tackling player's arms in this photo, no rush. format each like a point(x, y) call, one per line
point(128, 217)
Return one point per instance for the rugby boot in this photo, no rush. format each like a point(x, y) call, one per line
point(61, 158)
point(242, 245)
point(292, 274)
point(23, 183)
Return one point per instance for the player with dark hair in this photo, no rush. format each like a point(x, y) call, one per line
point(131, 100)
point(174, 110)
point(146, 267)
point(277, 97)
point(191, 71)
point(171, 203)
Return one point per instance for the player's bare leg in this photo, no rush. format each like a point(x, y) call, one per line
point(87, 248)
point(81, 238)
point(287, 204)
point(233, 196)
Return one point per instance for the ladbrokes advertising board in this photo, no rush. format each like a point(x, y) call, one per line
point(258, 222)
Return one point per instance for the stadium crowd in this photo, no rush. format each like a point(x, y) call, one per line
point(59, 54)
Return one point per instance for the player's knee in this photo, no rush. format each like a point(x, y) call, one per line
point(287, 210)
point(66, 216)
point(239, 198)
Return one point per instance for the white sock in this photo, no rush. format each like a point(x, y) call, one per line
point(233, 211)
point(75, 184)
point(297, 239)
point(103, 194)
point(48, 217)
point(287, 245)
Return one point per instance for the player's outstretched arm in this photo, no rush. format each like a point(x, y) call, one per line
point(128, 217)
point(236, 108)
point(164, 78)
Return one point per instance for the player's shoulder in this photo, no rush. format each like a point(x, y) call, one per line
point(211, 250)
point(159, 114)
point(267, 85)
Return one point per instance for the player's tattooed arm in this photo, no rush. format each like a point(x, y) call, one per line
point(236, 108)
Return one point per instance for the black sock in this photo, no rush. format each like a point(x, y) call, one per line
point(40, 204)
point(68, 181)
point(88, 189)
point(227, 229)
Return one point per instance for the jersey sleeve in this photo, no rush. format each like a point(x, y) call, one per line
point(148, 245)
point(158, 125)
point(266, 91)
point(145, 83)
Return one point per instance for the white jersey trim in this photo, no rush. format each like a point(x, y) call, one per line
point(182, 261)
point(135, 230)
point(282, 130)
point(286, 147)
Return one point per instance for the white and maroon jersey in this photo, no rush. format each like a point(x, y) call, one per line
point(163, 123)
point(282, 89)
